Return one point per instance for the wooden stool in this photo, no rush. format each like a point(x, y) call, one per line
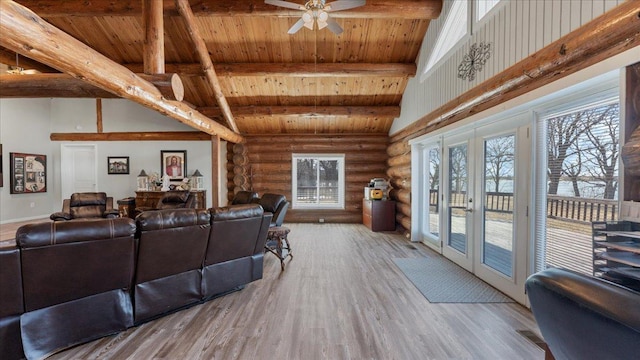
point(278, 244)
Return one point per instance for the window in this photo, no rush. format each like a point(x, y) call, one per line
point(483, 7)
point(432, 163)
point(580, 180)
point(318, 181)
point(454, 29)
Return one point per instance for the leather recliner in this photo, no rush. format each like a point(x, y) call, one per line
point(86, 205)
point(76, 280)
point(276, 204)
point(236, 232)
point(584, 317)
point(175, 199)
point(244, 197)
point(11, 303)
point(171, 248)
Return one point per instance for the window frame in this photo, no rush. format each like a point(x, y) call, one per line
point(341, 181)
point(442, 41)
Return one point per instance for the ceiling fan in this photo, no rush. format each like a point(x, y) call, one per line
point(317, 11)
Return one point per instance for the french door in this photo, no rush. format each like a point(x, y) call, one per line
point(486, 176)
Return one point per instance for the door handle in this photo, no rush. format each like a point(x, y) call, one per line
point(468, 210)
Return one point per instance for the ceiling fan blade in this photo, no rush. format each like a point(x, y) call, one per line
point(297, 26)
point(333, 25)
point(285, 4)
point(344, 5)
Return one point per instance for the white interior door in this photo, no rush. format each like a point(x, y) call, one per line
point(79, 171)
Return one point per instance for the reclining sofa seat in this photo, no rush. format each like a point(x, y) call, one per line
point(86, 205)
point(171, 249)
point(11, 303)
point(76, 278)
point(584, 317)
point(236, 231)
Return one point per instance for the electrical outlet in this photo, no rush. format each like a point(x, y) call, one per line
point(321, 220)
point(32, 204)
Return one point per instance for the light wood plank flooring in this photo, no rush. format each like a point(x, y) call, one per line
point(341, 297)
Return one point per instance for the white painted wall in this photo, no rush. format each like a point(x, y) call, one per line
point(24, 128)
point(515, 30)
point(26, 125)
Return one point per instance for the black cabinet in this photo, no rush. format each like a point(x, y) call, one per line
point(616, 252)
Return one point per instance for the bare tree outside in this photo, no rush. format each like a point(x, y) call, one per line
point(499, 160)
point(601, 150)
point(562, 133)
point(434, 168)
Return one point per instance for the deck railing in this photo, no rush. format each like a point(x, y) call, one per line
point(583, 210)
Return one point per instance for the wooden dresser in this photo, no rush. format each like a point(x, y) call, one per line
point(150, 198)
point(379, 215)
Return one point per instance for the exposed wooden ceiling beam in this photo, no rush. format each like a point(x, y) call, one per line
point(61, 85)
point(153, 47)
point(25, 32)
point(9, 57)
point(133, 136)
point(407, 9)
point(49, 86)
point(306, 70)
point(346, 112)
point(205, 60)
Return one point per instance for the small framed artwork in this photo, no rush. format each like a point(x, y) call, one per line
point(173, 163)
point(28, 173)
point(118, 165)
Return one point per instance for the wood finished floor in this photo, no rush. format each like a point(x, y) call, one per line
point(341, 297)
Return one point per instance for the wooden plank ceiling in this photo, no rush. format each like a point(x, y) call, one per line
point(312, 82)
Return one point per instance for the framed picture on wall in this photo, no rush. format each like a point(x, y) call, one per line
point(174, 164)
point(117, 165)
point(28, 173)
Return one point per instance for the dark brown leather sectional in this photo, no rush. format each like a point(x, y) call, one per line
point(70, 282)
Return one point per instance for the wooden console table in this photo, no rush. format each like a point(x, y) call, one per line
point(151, 198)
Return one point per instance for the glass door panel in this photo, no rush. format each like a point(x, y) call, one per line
point(498, 207)
point(433, 165)
point(457, 198)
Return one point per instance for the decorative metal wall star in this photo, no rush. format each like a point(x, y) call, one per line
point(474, 61)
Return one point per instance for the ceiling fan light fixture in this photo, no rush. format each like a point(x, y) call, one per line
point(308, 19)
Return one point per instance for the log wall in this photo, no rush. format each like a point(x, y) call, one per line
point(263, 164)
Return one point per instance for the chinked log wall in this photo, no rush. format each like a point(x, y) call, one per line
point(263, 164)
point(573, 52)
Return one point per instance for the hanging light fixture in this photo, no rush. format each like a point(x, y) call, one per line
point(322, 18)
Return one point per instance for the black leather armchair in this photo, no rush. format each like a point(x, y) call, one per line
point(277, 205)
point(244, 197)
point(181, 199)
point(584, 317)
point(86, 205)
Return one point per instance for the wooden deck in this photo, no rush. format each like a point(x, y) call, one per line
point(341, 297)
